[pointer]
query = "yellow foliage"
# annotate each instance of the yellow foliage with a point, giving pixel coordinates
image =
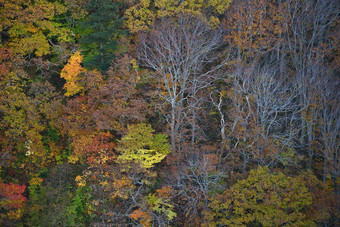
(81, 181)
(155, 203)
(31, 24)
(72, 74)
(161, 205)
(270, 199)
(142, 15)
(13, 214)
(142, 147)
(35, 181)
(73, 159)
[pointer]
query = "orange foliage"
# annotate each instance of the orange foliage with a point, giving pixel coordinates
(121, 188)
(255, 25)
(143, 217)
(102, 142)
(165, 192)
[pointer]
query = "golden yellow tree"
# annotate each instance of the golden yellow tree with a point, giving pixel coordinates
(72, 74)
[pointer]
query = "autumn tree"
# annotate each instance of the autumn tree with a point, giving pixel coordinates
(254, 30)
(156, 209)
(324, 205)
(29, 27)
(12, 202)
(144, 14)
(121, 101)
(125, 174)
(24, 121)
(263, 198)
(141, 147)
(29, 141)
(105, 104)
(140, 151)
(72, 74)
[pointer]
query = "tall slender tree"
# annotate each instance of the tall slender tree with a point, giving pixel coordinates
(102, 29)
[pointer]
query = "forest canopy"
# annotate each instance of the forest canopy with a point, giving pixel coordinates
(169, 113)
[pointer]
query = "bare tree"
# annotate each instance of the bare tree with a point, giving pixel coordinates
(329, 126)
(219, 103)
(180, 51)
(307, 27)
(330, 131)
(193, 181)
(264, 115)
